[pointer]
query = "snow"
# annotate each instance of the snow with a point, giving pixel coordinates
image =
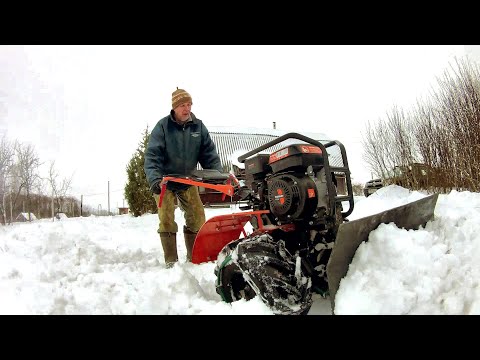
(114, 265)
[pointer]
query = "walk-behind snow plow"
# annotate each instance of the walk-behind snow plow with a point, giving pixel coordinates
(293, 200)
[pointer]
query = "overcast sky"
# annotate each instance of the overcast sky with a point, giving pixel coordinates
(86, 106)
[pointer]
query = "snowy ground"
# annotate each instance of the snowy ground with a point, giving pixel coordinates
(114, 265)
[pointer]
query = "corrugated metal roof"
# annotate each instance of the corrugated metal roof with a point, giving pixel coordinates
(233, 141)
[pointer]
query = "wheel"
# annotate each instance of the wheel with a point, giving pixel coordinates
(261, 266)
(231, 285)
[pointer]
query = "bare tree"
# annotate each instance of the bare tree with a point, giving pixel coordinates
(15, 186)
(402, 148)
(7, 152)
(389, 143)
(448, 129)
(52, 180)
(375, 144)
(438, 144)
(28, 164)
(38, 199)
(59, 189)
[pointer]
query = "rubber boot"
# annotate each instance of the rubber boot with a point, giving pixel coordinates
(169, 244)
(189, 241)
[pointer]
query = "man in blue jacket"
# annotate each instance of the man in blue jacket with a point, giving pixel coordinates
(177, 143)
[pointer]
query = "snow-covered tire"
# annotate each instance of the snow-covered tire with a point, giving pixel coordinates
(262, 266)
(231, 285)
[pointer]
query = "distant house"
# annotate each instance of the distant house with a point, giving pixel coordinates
(22, 217)
(61, 216)
(122, 210)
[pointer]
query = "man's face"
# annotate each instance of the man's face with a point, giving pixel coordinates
(182, 112)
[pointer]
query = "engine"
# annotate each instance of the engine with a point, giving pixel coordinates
(290, 183)
(298, 188)
(291, 197)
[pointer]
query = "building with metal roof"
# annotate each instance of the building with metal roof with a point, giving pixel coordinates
(232, 142)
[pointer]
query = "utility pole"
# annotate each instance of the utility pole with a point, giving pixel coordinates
(108, 197)
(81, 205)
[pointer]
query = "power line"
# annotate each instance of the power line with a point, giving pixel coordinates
(103, 193)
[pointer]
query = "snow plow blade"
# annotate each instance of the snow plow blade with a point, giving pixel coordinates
(351, 234)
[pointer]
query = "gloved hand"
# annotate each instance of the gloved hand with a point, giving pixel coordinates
(156, 189)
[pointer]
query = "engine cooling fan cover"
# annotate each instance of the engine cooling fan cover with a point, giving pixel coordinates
(283, 196)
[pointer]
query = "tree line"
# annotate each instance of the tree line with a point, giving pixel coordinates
(24, 190)
(436, 144)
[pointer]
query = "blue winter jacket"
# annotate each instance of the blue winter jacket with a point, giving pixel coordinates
(177, 149)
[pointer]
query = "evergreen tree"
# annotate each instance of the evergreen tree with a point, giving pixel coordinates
(137, 192)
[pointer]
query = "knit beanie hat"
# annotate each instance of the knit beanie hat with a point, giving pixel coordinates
(180, 97)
